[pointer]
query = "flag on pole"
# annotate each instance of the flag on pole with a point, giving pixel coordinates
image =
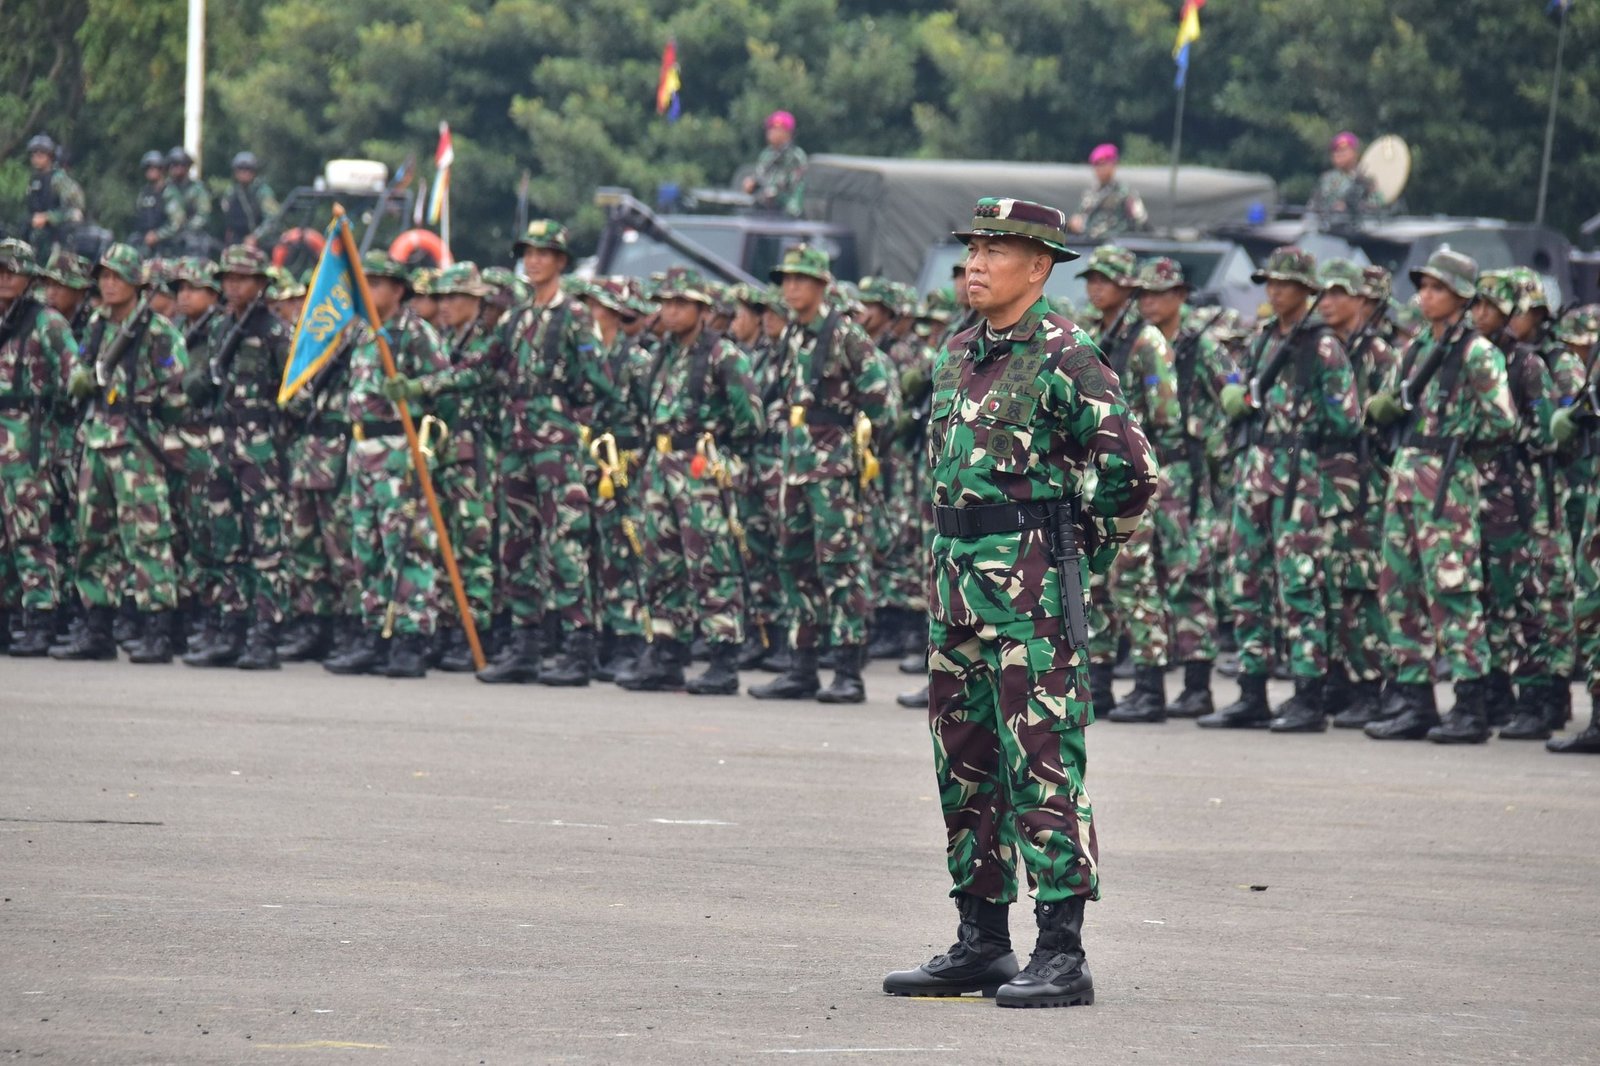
(1188, 33)
(439, 203)
(670, 82)
(333, 301)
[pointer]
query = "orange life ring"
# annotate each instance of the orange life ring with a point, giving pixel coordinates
(418, 247)
(295, 242)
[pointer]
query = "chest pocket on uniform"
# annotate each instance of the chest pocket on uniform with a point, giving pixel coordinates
(250, 360)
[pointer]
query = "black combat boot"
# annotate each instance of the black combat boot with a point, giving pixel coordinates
(916, 699)
(699, 650)
(916, 660)
(408, 656)
(519, 663)
(800, 682)
(846, 686)
(1249, 711)
(260, 647)
(1057, 974)
(1586, 742)
(64, 640)
(574, 667)
(721, 677)
(1304, 712)
(5, 630)
(155, 646)
(1195, 699)
(1364, 706)
(754, 649)
(128, 626)
(625, 652)
(1531, 720)
(345, 631)
(204, 627)
(659, 669)
(368, 652)
(1468, 721)
(779, 658)
(1500, 703)
(94, 641)
(1337, 692)
(226, 649)
(1100, 694)
(1415, 713)
(310, 641)
(888, 634)
(981, 959)
(457, 655)
(38, 632)
(1148, 702)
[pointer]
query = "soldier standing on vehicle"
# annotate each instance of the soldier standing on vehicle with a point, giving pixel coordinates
(1111, 207)
(188, 209)
(1345, 194)
(249, 209)
(152, 207)
(779, 181)
(54, 201)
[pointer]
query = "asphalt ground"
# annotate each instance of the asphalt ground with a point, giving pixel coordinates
(217, 867)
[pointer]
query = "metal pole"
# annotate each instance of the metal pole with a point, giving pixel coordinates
(194, 103)
(1177, 147)
(1550, 122)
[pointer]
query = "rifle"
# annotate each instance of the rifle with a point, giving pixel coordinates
(1413, 385)
(1183, 359)
(1262, 383)
(1066, 552)
(222, 357)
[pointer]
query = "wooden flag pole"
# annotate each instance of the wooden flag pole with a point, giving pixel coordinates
(419, 462)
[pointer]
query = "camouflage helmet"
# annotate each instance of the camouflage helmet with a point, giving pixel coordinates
(376, 264)
(1498, 289)
(1000, 216)
(803, 261)
(878, 290)
(42, 142)
(1452, 269)
(69, 269)
(461, 279)
(611, 293)
(158, 274)
(683, 283)
(1530, 290)
(940, 305)
(1114, 263)
(245, 261)
(121, 260)
(200, 273)
(543, 233)
(1580, 326)
(1289, 264)
(17, 257)
(1161, 275)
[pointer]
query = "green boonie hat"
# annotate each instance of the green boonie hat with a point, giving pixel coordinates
(722, 299)
(506, 284)
(639, 300)
(1161, 275)
(757, 296)
(682, 283)
(1580, 326)
(1452, 269)
(285, 286)
(422, 281)
(941, 304)
(1407, 315)
(460, 279)
(999, 216)
(1378, 280)
(804, 261)
(1342, 274)
(244, 260)
(1229, 325)
(908, 298)
(876, 290)
(1498, 289)
(1530, 290)
(611, 293)
(17, 257)
(384, 265)
(124, 262)
(1060, 305)
(1289, 264)
(1113, 262)
(200, 273)
(543, 233)
(66, 268)
(845, 295)
(161, 275)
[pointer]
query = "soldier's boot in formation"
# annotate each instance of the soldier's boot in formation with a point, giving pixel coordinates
(779, 657)
(846, 686)
(226, 648)
(155, 646)
(519, 663)
(1531, 721)
(1363, 706)
(1500, 703)
(981, 959)
(38, 632)
(408, 656)
(624, 654)
(456, 657)
(1306, 710)
(345, 632)
(63, 640)
(754, 648)
(1414, 713)
(574, 666)
(368, 651)
(1100, 694)
(917, 698)
(127, 629)
(1057, 974)
(799, 682)
(310, 640)
(1195, 699)
(659, 669)
(1468, 720)
(1585, 742)
(1249, 711)
(260, 647)
(5, 630)
(1148, 701)
(1337, 692)
(721, 676)
(201, 627)
(916, 659)
(888, 634)
(94, 641)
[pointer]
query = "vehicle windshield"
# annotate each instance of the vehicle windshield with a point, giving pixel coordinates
(639, 256)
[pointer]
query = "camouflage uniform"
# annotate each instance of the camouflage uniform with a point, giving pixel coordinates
(1111, 209)
(188, 211)
(1344, 196)
(1578, 331)
(190, 473)
(54, 194)
(780, 178)
(73, 272)
(758, 503)
(1586, 618)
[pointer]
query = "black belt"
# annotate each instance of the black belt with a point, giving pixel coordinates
(247, 416)
(19, 402)
(328, 428)
(1428, 442)
(380, 429)
(980, 520)
(677, 442)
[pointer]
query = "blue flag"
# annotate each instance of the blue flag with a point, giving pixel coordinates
(333, 301)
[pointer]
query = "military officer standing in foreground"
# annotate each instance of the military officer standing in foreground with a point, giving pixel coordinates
(1022, 408)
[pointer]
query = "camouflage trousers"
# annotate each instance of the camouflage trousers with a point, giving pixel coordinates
(322, 571)
(1358, 636)
(546, 526)
(1185, 539)
(1278, 567)
(190, 472)
(822, 561)
(29, 573)
(247, 495)
(617, 565)
(691, 560)
(1527, 602)
(1586, 601)
(64, 464)
(125, 530)
(465, 490)
(1007, 715)
(758, 508)
(900, 538)
(392, 539)
(1129, 596)
(1429, 588)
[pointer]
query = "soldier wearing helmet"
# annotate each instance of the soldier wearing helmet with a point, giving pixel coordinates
(249, 208)
(188, 208)
(55, 202)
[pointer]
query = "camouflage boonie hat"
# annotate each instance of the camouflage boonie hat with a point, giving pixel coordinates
(876, 290)
(1000, 216)
(201, 273)
(423, 279)
(157, 274)
(17, 257)
(908, 298)
(757, 296)
(124, 262)
(1530, 290)
(1580, 326)
(611, 293)
(66, 268)
(1453, 270)
(244, 260)
(506, 283)
(1498, 289)
(384, 265)
(1114, 263)
(846, 296)
(1161, 275)
(639, 300)
(681, 283)
(940, 305)
(460, 279)
(1406, 316)
(1229, 325)
(805, 261)
(1342, 274)
(1289, 264)
(543, 233)
(722, 299)
(1378, 280)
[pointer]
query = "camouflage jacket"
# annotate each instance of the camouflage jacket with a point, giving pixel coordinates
(416, 351)
(625, 411)
(1201, 368)
(1112, 208)
(703, 388)
(780, 178)
(1375, 366)
(247, 211)
(1517, 492)
(321, 410)
(853, 379)
(36, 355)
(142, 391)
(1142, 360)
(67, 196)
(188, 209)
(1342, 196)
(254, 371)
(1025, 417)
(1469, 398)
